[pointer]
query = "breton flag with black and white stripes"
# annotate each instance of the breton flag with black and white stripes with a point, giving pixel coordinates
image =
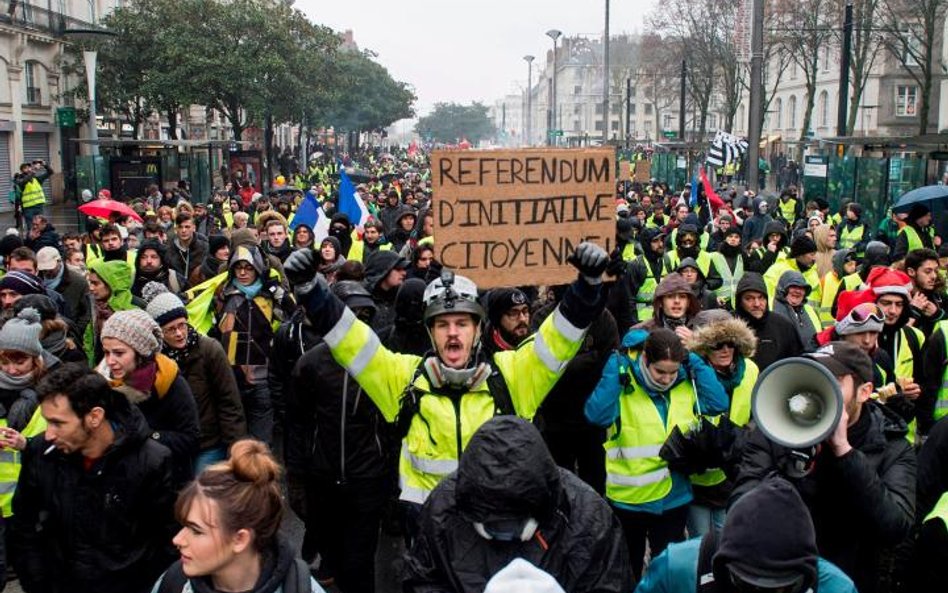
(725, 148)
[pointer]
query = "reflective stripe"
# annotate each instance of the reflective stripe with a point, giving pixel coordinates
(413, 494)
(633, 452)
(7, 487)
(545, 355)
(364, 357)
(569, 331)
(9, 456)
(430, 466)
(647, 303)
(642, 480)
(334, 336)
(941, 404)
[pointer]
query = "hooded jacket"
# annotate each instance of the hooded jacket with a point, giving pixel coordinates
(108, 529)
(755, 226)
(398, 236)
(408, 334)
(863, 503)
(796, 315)
(508, 473)
(777, 338)
(671, 284)
(175, 282)
(761, 259)
(622, 298)
(118, 276)
(376, 269)
(344, 236)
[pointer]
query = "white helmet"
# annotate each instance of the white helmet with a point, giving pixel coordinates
(451, 294)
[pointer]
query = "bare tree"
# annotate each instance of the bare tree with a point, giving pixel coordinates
(912, 36)
(658, 74)
(867, 45)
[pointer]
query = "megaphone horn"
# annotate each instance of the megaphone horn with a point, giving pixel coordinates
(797, 402)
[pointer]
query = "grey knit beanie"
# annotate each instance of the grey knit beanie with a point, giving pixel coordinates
(135, 328)
(22, 333)
(163, 305)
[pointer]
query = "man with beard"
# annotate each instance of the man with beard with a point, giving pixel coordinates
(802, 258)
(113, 245)
(14, 286)
(927, 304)
(917, 234)
(508, 317)
(150, 267)
(776, 337)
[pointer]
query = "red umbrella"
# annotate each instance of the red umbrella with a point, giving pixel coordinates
(105, 208)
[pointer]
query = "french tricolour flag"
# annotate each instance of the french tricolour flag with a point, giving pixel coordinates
(350, 202)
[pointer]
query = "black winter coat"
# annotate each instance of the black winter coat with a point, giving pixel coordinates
(291, 340)
(333, 430)
(863, 503)
(103, 530)
(506, 466)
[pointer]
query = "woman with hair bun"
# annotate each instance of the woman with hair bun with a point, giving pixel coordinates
(230, 539)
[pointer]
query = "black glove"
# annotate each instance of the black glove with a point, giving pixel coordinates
(616, 267)
(591, 260)
(310, 287)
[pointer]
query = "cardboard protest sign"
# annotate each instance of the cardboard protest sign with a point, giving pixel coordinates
(643, 171)
(513, 217)
(625, 171)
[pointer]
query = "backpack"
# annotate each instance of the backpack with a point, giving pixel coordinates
(411, 399)
(296, 581)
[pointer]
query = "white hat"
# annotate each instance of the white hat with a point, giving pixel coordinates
(522, 577)
(48, 258)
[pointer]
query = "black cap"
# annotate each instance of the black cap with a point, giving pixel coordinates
(843, 358)
(802, 245)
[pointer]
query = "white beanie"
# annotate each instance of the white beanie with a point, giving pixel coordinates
(522, 577)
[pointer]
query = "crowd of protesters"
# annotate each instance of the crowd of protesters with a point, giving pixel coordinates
(165, 378)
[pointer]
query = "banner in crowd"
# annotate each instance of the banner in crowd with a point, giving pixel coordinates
(512, 217)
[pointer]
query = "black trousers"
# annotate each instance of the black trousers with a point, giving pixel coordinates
(658, 530)
(580, 451)
(342, 524)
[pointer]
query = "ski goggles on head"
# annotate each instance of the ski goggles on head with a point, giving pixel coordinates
(864, 312)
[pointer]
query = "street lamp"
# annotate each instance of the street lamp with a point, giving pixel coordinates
(89, 57)
(553, 34)
(529, 60)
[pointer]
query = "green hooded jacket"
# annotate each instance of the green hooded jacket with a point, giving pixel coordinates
(118, 276)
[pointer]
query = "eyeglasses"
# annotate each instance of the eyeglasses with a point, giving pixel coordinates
(863, 312)
(178, 328)
(721, 345)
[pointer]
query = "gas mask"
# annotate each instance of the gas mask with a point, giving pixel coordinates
(508, 530)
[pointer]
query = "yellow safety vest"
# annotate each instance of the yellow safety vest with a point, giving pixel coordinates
(645, 297)
(849, 237)
(11, 463)
(812, 277)
(914, 240)
(635, 474)
(831, 285)
(788, 209)
(739, 414)
(356, 252)
(671, 261)
(940, 511)
(702, 239)
(905, 365)
(729, 279)
(941, 401)
(32, 194)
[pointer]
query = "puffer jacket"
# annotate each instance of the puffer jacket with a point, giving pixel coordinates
(863, 503)
(107, 530)
(506, 471)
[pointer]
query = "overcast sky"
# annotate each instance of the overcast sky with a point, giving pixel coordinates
(453, 50)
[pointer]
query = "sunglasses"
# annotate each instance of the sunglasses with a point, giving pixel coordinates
(864, 312)
(721, 345)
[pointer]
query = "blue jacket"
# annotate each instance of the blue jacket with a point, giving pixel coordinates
(602, 407)
(676, 571)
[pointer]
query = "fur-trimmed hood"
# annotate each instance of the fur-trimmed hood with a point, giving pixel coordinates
(723, 330)
(265, 217)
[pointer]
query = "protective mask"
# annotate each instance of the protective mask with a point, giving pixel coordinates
(508, 530)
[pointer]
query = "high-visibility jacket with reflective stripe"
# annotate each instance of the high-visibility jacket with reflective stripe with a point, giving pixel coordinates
(703, 239)
(831, 285)
(443, 425)
(941, 402)
(671, 261)
(10, 462)
(739, 414)
(905, 366)
(33, 194)
(358, 248)
(849, 237)
(940, 511)
(729, 278)
(645, 297)
(635, 474)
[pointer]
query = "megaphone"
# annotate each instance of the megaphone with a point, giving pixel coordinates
(797, 402)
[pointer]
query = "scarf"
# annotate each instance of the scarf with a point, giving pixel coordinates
(179, 355)
(137, 385)
(251, 291)
(11, 383)
(500, 342)
(648, 383)
(672, 323)
(102, 312)
(53, 283)
(731, 378)
(55, 342)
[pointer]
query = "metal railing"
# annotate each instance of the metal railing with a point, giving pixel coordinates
(36, 18)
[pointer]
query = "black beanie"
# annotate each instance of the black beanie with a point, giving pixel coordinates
(768, 533)
(801, 245)
(8, 243)
(501, 300)
(215, 242)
